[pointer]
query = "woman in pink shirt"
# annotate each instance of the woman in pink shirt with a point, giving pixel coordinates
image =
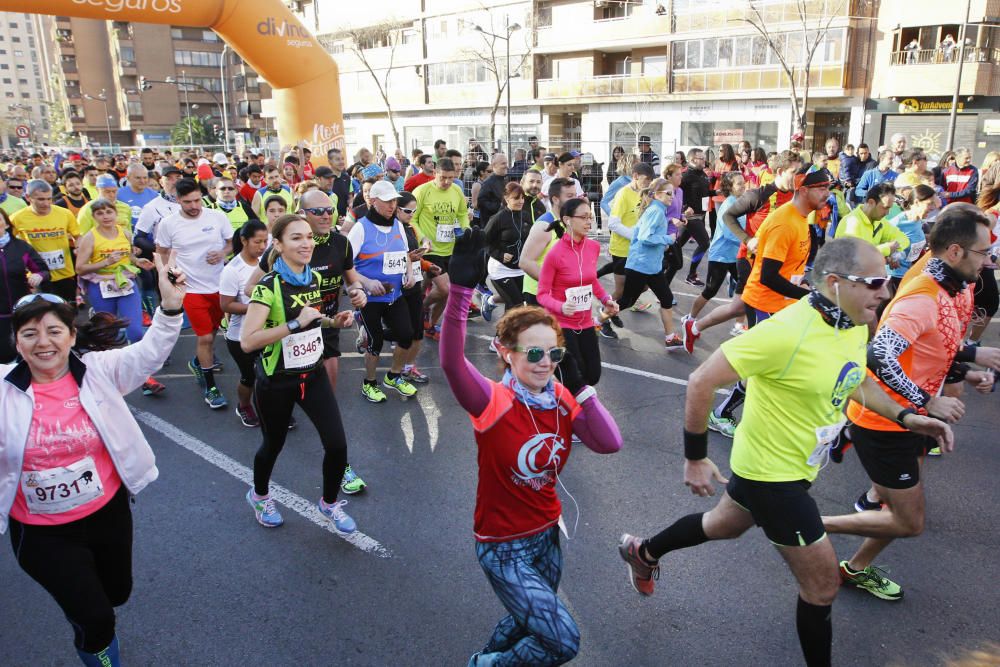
(567, 288)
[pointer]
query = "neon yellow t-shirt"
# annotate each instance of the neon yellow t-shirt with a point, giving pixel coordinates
(438, 212)
(800, 372)
(12, 205)
(625, 206)
(50, 236)
(85, 218)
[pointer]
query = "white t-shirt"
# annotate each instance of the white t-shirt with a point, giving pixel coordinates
(192, 239)
(546, 179)
(151, 214)
(232, 283)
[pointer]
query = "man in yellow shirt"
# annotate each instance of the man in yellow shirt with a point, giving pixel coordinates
(868, 222)
(11, 191)
(51, 231)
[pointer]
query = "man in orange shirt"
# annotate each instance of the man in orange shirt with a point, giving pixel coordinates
(775, 280)
(917, 348)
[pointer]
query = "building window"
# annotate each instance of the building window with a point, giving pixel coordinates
(15, 39)
(13, 24)
(209, 36)
(708, 134)
(253, 83)
(751, 51)
(9, 94)
(23, 82)
(75, 111)
(201, 82)
(134, 108)
(654, 65)
(197, 58)
(8, 81)
(18, 54)
(128, 55)
(4, 66)
(449, 74)
(3, 52)
(25, 96)
(177, 33)
(409, 36)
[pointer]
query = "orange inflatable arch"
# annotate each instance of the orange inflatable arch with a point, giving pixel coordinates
(265, 34)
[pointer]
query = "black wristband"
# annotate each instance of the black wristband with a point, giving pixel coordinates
(695, 445)
(902, 415)
(174, 312)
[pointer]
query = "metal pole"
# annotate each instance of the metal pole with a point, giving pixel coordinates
(107, 119)
(187, 111)
(225, 109)
(953, 116)
(507, 28)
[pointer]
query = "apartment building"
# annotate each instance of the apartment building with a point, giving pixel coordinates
(26, 79)
(185, 71)
(918, 60)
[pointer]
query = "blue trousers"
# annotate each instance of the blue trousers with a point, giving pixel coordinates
(524, 574)
(126, 307)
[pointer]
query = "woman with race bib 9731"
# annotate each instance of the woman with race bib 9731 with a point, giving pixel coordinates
(283, 322)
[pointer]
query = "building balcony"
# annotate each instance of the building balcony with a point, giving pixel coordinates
(586, 33)
(942, 57)
(934, 79)
(617, 85)
(127, 68)
(828, 78)
(696, 15)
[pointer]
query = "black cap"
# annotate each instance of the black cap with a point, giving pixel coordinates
(550, 157)
(324, 172)
(171, 170)
(566, 157)
(644, 139)
(811, 178)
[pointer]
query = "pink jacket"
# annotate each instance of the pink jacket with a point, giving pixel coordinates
(570, 264)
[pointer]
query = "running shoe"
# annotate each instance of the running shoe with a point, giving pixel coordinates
(495, 345)
(267, 514)
(640, 307)
(488, 308)
(483, 292)
(248, 416)
(399, 383)
(641, 574)
(351, 483)
(862, 504)
(726, 427)
(151, 387)
(335, 512)
(433, 333)
(473, 311)
(372, 392)
(414, 376)
(673, 343)
(216, 364)
(738, 329)
(934, 451)
(195, 369)
(871, 579)
(215, 399)
(147, 319)
(607, 332)
(690, 337)
(694, 281)
(617, 321)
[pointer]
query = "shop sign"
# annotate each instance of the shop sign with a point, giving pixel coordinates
(915, 105)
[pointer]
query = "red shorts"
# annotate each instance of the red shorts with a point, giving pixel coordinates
(203, 312)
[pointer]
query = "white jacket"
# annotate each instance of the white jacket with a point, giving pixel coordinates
(104, 379)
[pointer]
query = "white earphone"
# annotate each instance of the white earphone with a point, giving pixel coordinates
(508, 359)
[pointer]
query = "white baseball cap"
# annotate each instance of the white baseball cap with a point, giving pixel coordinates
(220, 158)
(383, 190)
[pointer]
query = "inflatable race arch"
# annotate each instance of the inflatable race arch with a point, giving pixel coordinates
(265, 34)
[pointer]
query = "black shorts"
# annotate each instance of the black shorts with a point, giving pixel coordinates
(743, 268)
(331, 343)
(244, 362)
(440, 261)
(784, 510)
(619, 265)
(891, 458)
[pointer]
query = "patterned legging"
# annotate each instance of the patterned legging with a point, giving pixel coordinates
(524, 574)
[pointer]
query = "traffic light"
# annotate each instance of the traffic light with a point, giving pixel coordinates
(143, 84)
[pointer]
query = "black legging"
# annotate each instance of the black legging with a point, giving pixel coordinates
(717, 272)
(694, 229)
(274, 398)
(85, 565)
(987, 298)
(636, 283)
(397, 318)
(510, 290)
(582, 363)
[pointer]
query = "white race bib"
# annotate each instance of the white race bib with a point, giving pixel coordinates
(111, 290)
(59, 490)
(445, 234)
(580, 297)
(394, 263)
(416, 272)
(704, 204)
(915, 250)
(54, 259)
(825, 436)
(303, 349)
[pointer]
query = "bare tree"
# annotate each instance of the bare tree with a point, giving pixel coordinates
(814, 27)
(388, 35)
(493, 56)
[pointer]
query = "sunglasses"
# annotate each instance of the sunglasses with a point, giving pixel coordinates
(15, 187)
(323, 210)
(226, 187)
(44, 296)
(408, 211)
(535, 354)
(872, 282)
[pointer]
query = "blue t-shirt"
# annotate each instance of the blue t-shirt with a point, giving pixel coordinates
(136, 200)
(914, 230)
(725, 245)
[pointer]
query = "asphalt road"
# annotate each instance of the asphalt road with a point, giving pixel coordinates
(214, 588)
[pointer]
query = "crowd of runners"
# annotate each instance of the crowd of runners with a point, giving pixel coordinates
(859, 285)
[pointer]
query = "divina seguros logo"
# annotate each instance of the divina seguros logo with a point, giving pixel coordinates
(296, 35)
(160, 6)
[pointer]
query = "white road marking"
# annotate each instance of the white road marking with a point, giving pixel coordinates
(432, 413)
(289, 499)
(406, 424)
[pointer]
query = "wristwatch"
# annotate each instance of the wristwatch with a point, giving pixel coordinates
(902, 415)
(171, 312)
(293, 326)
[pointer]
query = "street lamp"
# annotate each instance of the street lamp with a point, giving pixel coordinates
(953, 116)
(225, 108)
(509, 28)
(103, 97)
(184, 83)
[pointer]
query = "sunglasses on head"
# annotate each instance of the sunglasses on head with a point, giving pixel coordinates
(31, 298)
(535, 354)
(871, 282)
(322, 210)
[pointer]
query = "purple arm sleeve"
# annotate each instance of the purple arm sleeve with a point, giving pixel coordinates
(597, 428)
(471, 389)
